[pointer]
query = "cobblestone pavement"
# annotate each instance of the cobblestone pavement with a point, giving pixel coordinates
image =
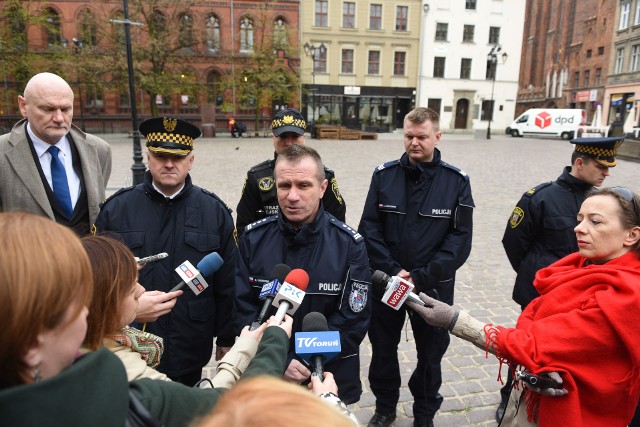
(501, 169)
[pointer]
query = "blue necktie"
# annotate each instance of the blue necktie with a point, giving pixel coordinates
(60, 183)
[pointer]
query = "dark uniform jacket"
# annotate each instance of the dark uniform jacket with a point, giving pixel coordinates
(188, 227)
(259, 198)
(419, 218)
(540, 230)
(97, 383)
(335, 258)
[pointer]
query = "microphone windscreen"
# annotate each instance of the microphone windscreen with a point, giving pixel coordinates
(210, 264)
(280, 272)
(298, 278)
(379, 280)
(314, 322)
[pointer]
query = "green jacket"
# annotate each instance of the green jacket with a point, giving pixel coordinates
(94, 391)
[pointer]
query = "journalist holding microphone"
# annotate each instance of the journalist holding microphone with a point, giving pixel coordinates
(44, 295)
(304, 236)
(581, 332)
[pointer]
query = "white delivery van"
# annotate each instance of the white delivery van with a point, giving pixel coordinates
(562, 122)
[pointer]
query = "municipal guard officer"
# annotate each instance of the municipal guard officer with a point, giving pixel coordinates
(259, 198)
(167, 213)
(417, 223)
(302, 235)
(540, 228)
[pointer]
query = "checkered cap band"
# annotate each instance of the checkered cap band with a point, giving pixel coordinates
(169, 137)
(596, 151)
(288, 121)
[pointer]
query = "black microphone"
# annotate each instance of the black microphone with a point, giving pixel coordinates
(316, 344)
(269, 291)
(392, 291)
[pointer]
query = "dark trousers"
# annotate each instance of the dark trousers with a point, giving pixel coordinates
(189, 379)
(385, 331)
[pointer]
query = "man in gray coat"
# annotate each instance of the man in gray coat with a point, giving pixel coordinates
(48, 166)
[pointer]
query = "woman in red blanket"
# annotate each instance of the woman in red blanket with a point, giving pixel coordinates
(582, 330)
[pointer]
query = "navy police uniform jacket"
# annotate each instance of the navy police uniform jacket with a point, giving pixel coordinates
(335, 257)
(259, 198)
(540, 230)
(187, 227)
(419, 218)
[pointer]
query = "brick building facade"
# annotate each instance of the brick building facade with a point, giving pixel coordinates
(219, 39)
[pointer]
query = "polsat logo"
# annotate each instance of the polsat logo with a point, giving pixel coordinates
(543, 120)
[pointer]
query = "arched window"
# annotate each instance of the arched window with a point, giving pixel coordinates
(246, 35)
(118, 28)
(212, 33)
(213, 97)
(159, 22)
(279, 34)
(185, 36)
(52, 32)
(87, 28)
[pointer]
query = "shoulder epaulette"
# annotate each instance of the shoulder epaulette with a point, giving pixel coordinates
(453, 168)
(537, 188)
(117, 193)
(387, 165)
(345, 228)
(215, 196)
(261, 166)
(260, 223)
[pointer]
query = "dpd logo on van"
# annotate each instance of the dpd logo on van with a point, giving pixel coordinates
(543, 120)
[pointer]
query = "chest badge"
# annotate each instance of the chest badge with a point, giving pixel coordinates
(266, 184)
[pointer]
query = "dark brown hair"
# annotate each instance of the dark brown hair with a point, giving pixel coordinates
(114, 274)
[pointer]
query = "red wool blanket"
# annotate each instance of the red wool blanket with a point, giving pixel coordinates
(586, 326)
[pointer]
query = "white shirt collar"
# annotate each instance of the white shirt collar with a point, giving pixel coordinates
(41, 147)
(168, 197)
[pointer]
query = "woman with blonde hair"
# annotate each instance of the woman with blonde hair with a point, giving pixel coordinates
(46, 285)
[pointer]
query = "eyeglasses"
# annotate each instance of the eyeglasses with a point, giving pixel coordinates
(627, 194)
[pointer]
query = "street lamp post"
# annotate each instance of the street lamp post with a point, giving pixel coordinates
(312, 50)
(138, 167)
(77, 45)
(492, 58)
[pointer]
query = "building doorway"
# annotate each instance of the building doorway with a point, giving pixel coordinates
(462, 113)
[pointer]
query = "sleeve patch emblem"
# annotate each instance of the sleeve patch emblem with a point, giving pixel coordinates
(516, 217)
(266, 184)
(358, 297)
(336, 190)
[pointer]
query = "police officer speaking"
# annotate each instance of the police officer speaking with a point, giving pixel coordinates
(417, 223)
(258, 198)
(302, 235)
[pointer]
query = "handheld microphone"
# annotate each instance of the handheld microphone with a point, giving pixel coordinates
(269, 291)
(193, 276)
(290, 294)
(392, 291)
(316, 344)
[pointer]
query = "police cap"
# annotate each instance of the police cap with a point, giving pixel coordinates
(288, 120)
(602, 150)
(166, 135)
